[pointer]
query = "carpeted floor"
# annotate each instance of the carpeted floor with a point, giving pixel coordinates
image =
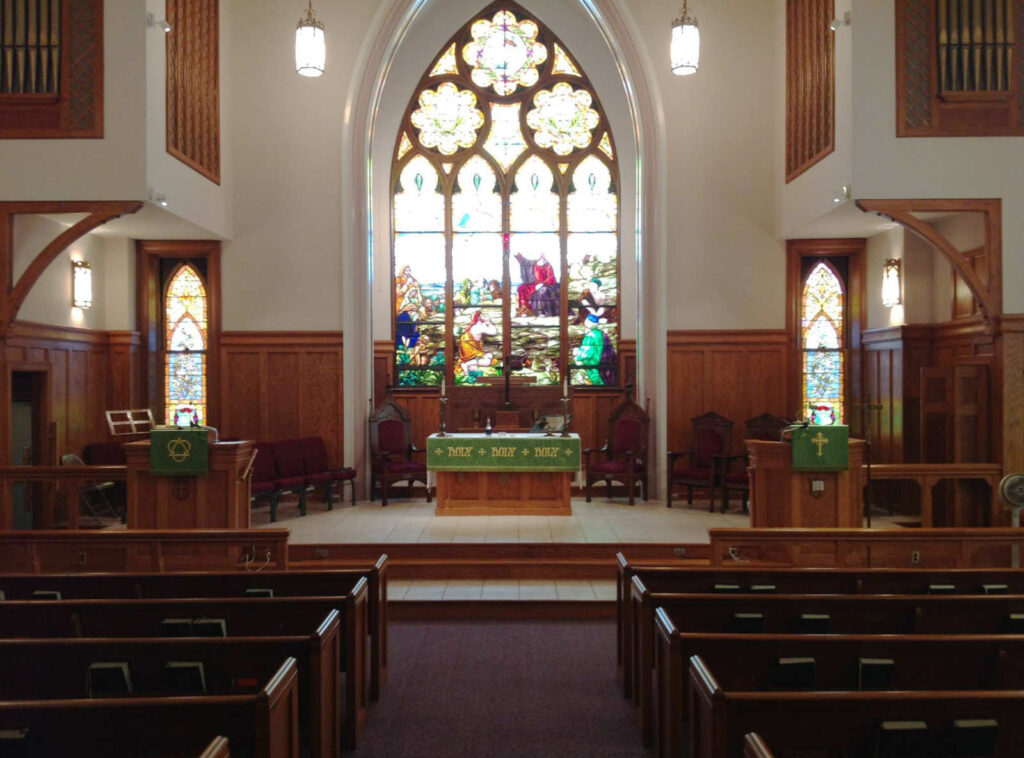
(492, 689)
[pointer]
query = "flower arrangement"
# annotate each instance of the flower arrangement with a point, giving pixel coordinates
(822, 415)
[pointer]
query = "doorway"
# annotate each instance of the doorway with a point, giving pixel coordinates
(28, 440)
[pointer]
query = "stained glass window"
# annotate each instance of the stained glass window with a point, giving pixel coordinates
(185, 340)
(822, 328)
(506, 246)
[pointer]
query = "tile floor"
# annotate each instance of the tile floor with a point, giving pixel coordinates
(408, 521)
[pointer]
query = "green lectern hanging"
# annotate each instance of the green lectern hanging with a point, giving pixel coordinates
(821, 448)
(178, 452)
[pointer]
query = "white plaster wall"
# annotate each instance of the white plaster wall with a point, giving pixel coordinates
(111, 168)
(725, 265)
(119, 283)
(889, 167)
(285, 260)
(881, 247)
(189, 194)
(49, 301)
(921, 280)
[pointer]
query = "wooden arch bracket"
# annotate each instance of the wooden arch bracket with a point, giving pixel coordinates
(13, 294)
(989, 294)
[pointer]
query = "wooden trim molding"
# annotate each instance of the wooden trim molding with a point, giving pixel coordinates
(13, 294)
(76, 110)
(810, 84)
(193, 85)
(988, 293)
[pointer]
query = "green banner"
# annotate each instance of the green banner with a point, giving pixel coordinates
(821, 448)
(178, 452)
(519, 452)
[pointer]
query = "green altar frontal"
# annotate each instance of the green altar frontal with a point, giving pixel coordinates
(821, 448)
(178, 452)
(520, 452)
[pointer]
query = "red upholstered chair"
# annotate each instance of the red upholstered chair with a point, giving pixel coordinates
(319, 472)
(291, 471)
(264, 473)
(699, 466)
(734, 477)
(625, 451)
(391, 450)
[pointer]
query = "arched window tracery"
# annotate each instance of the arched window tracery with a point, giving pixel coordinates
(186, 324)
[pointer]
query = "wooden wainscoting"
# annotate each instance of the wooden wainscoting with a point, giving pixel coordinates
(282, 385)
(88, 372)
(736, 373)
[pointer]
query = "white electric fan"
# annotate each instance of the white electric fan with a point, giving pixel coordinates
(1011, 492)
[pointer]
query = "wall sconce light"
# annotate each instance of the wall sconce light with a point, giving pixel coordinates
(685, 49)
(892, 289)
(310, 44)
(81, 284)
(837, 23)
(841, 195)
(160, 24)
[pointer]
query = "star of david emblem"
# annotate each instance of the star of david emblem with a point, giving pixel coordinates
(178, 450)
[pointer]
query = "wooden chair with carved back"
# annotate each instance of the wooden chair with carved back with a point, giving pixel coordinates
(625, 450)
(699, 466)
(391, 450)
(767, 427)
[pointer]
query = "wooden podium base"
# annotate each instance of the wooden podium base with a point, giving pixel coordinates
(496, 493)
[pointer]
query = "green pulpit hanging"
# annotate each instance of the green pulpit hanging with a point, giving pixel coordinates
(178, 452)
(821, 448)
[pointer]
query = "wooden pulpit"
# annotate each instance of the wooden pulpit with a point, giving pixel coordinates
(218, 499)
(782, 497)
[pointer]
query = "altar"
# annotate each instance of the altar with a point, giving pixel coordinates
(503, 474)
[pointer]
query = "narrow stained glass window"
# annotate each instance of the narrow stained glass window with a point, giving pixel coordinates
(185, 339)
(506, 243)
(823, 343)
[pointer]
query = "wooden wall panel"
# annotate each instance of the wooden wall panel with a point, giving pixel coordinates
(125, 362)
(810, 84)
(281, 385)
(81, 381)
(738, 374)
(193, 85)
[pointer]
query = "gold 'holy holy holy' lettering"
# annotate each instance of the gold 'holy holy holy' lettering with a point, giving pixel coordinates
(461, 451)
(503, 452)
(545, 452)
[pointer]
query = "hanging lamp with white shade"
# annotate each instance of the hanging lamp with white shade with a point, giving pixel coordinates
(310, 44)
(685, 50)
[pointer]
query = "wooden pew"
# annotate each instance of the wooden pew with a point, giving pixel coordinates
(249, 617)
(754, 747)
(218, 748)
(843, 722)
(226, 584)
(694, 579)
(261, 724)
(57, 669)
(848, 614)
(750, 662)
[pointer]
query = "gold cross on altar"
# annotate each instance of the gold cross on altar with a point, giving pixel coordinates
(821, 440)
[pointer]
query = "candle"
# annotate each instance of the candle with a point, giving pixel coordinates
(442, 385)
(565, 387)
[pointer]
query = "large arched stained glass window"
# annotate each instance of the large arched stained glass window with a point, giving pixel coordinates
(823, 341)
(185, 335)
(505, 215)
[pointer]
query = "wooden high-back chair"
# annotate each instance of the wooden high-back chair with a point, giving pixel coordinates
(699, 466)
(625, 451)
(391, 450)
(767, 427)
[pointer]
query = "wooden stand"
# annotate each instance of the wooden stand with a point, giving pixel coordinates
(497, 493)
(218, 500)
(781, 497)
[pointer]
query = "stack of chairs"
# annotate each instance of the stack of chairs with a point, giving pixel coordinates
(272, 664)
(876, 662)
(295, 467)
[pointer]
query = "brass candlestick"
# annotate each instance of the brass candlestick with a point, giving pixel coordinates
(444, 408)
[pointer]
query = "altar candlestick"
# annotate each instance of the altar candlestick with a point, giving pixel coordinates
(442, 385)
(565, 387)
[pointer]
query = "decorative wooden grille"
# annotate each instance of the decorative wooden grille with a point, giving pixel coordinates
(193, 85)
(959, 71)
(810, 84)
(30, 38)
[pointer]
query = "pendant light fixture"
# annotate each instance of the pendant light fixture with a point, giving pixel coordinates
(310, 46)
(685, 51)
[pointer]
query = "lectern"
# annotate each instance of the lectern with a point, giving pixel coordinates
(218, 499)
(783, 497)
